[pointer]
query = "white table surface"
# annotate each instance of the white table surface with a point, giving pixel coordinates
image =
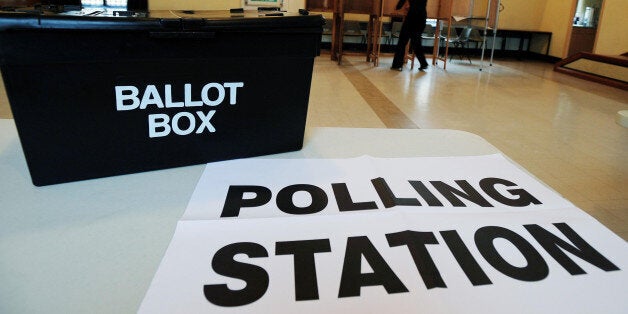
(93, 246)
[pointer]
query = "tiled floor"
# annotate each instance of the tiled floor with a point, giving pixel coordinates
(560, 128)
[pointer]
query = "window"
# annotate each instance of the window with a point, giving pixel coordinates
(105, 3)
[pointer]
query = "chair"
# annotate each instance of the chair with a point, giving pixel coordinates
(364, 27)
(428, 32)
(477, 38)
(352, 29)
(443, 33)
(395, 30)
(460, 43)
(442, 38)
(387, 33)
(327, 27)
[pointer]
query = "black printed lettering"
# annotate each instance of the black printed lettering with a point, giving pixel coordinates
(388, 197)
(344, 201)
(305, 282)
(235, 199)
(285, 202)
(467, 192)
(465, 259)
(353, 279)
(256, 278)
(416, 242)
(524, 198)
(536, 268)
(429, 198)
(556, 246)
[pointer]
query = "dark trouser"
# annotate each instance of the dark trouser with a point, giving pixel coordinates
(410, 30)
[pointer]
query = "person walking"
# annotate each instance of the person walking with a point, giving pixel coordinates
(412, 28)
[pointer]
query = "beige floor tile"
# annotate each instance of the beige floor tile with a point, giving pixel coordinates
(623, 235)
(612, 214)
(559, 128)
(334, 102)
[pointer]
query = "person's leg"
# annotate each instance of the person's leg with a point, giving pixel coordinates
(400, 50)
(418, 47)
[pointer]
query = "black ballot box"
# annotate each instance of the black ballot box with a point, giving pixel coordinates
(96, 95)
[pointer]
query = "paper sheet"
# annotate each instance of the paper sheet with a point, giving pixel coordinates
(384, 235)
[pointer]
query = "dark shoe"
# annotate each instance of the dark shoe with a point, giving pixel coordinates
(423, 67)
(396, 68)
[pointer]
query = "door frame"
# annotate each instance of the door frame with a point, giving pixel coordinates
(574, 6)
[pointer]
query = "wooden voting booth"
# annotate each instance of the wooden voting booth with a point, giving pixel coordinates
(449, 14)
(339, 8)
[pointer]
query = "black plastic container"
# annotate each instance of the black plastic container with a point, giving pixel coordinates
(91, 95)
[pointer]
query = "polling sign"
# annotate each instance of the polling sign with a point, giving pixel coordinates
(393, 235)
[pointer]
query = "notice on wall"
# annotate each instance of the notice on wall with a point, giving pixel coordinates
(385, 235)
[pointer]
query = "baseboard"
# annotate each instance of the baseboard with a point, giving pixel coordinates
(607, 70)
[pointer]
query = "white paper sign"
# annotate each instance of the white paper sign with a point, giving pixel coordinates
(436, 184)
(367, 235)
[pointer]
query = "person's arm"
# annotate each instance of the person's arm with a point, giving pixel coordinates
(400, 4)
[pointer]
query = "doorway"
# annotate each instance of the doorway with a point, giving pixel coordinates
(584, 26)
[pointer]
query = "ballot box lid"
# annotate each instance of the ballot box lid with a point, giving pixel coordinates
(166, 20)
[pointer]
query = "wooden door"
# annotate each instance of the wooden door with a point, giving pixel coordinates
(582, 40)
